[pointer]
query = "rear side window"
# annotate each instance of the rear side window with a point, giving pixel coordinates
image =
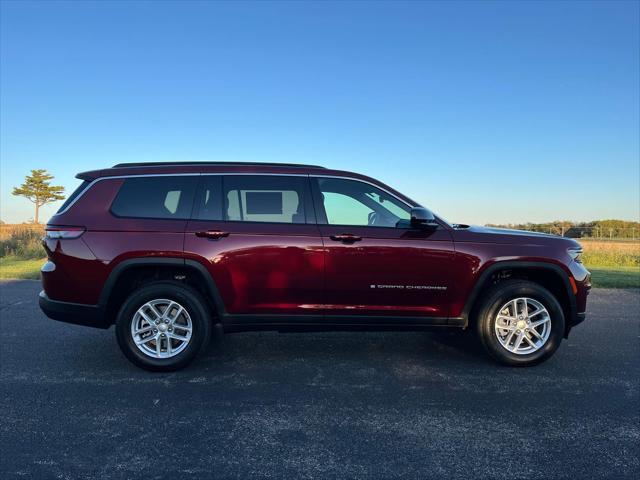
(266, 199)
(167, 197)
(208, 204)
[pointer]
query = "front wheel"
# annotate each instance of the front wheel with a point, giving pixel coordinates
(520, 323)
(163, 326)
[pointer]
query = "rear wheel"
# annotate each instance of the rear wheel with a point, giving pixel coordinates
(520, 323)
(163, 326)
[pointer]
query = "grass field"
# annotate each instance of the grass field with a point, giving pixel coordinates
(613, 264)
(11, 267)
(598, 253)
(8, 229)
(615, 277)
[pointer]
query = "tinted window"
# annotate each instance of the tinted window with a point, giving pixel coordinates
(155, 197)
(208, 205)
(350, 202)
(265, 199)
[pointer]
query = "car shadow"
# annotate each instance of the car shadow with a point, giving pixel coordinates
(252, 352)
(346, 346)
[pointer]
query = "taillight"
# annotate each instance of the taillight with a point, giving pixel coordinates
(63, 232)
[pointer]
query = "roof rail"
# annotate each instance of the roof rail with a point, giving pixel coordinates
(223, 164)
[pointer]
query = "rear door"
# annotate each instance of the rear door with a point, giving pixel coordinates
(258, 237)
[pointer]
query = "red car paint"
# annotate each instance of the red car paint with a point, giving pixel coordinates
(296, 273)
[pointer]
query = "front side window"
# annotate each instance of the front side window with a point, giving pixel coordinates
(164, 197)
(351, 202)
(265, 198)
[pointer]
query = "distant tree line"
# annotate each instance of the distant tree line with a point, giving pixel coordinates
(595, 229)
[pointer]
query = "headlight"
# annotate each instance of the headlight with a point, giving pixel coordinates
(575, 253)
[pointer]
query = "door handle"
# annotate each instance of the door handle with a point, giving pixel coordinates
(345, 237)
(212, 234)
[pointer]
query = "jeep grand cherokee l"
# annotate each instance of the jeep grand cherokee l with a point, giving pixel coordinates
(168, 251)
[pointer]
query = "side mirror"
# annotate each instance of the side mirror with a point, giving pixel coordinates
(423, 219)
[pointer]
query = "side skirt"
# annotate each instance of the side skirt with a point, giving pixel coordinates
(329, 323)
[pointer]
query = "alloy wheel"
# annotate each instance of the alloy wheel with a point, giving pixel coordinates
(523, 325)
(161, 328)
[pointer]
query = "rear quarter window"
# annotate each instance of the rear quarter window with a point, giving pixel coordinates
(71, 198)
(167, 197)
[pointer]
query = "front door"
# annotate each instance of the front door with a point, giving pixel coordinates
(376, 264)
(258, 238)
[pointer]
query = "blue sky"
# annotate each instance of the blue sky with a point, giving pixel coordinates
(482, 111)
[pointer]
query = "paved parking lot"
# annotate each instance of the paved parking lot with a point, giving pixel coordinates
(330, 405)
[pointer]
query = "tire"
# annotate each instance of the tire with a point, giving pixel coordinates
(173, 353)
(497, 341)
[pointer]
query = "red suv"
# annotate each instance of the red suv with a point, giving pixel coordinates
(168, 251)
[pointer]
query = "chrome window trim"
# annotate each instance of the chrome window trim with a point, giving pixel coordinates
(99, 179)
(142, 175)
(368, 183)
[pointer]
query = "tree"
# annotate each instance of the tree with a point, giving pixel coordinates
(38, 189)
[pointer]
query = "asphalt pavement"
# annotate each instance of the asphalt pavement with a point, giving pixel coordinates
(319, 405)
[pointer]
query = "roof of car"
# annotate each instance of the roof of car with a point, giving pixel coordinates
(148, 168)
(177, 168)
(223, 164)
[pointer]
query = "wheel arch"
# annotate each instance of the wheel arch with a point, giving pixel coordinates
(550, 276)
(131, 273)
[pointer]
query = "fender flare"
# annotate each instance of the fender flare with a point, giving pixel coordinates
(509, 264)
(125, 265)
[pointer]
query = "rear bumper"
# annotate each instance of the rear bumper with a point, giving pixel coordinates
(76, 313)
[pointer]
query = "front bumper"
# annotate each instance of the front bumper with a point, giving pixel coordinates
(578, 319)
(76, 313)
